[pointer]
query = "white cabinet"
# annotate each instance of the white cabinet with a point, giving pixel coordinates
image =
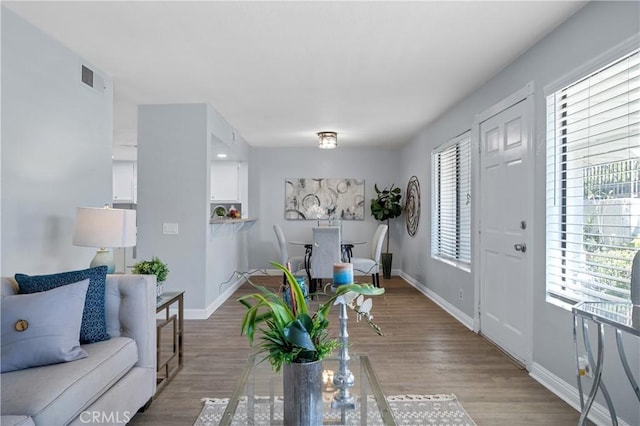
(125, 186)
(225, 185)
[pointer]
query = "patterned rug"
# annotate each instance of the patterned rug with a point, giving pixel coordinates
(408, 410)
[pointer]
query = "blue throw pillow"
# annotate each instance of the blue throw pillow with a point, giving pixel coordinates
(42, 328)
(94, 322)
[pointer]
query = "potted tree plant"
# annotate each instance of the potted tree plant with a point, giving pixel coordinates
(153, 267)
(384, 207)
(296, 340)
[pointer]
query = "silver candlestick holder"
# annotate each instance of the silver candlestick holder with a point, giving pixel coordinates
(343, 379)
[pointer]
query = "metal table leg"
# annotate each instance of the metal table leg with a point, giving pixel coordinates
(625, 364)
(597, 374)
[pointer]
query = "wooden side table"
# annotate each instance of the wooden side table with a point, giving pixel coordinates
(168, 365)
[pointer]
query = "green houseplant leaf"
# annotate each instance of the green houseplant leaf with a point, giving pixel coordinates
(152, 267)
(292, 334)
(386, 206)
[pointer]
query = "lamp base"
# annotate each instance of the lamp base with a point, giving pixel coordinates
(104, 257)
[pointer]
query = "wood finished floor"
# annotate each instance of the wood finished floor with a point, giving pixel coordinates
(424, 351)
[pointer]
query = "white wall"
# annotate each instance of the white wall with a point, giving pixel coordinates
(56, 149)
(267, 173)
(591, 31)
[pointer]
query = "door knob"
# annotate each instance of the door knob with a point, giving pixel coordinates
(520, 247)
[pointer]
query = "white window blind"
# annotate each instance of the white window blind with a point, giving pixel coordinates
(451, 201)
(593, 184)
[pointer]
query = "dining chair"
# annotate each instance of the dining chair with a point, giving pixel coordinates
(371, 265)
(296, 262)
(326, 251)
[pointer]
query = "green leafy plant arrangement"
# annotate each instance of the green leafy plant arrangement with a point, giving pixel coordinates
(152, 267)
(386, 205)
(291, 333)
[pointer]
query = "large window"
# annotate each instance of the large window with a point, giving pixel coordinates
(451, 202)
(593, 184)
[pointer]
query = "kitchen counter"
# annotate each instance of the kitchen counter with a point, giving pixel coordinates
(234, 225)
(229, 220)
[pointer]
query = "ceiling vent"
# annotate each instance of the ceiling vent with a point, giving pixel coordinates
(92, 79)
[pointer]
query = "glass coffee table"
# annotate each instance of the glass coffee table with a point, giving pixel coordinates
(257, 398)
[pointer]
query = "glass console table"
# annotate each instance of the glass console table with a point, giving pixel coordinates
(257, 398)
(623, 318)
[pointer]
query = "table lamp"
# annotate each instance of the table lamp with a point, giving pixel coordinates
(104, 228)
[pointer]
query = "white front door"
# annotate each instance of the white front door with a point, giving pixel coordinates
(505, 194)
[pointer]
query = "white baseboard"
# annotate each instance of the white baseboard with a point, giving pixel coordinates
(598, 414)
(206, 313)
(463, 318)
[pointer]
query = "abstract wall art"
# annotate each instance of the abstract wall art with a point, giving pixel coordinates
(324, 198)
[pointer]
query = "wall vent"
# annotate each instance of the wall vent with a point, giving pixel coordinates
(91, 79)
(87, 76)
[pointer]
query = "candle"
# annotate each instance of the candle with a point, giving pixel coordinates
(342, 273)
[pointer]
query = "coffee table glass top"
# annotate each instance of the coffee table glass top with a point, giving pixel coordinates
(257, 398)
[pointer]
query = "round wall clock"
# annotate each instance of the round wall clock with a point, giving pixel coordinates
(412, 206)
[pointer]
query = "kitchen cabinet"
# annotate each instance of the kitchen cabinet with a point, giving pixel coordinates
(225, 181)
(125, 186)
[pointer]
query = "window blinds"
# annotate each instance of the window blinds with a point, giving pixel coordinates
(593, 183)
(451, 201)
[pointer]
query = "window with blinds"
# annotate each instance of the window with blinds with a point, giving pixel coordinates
(593, 184)
(451, 202)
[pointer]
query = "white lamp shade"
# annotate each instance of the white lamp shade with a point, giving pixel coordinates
(104, 227)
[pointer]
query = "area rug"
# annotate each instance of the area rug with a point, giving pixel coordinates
(408, 410)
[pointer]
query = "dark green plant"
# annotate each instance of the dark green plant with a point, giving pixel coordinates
(386, 206)
(292, 334)
(152, 267)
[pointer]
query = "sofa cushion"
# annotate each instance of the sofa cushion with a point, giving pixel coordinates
(94, 326)
(56, 394)
(42, 328)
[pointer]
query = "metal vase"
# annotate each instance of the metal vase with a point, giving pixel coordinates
(387, 259)
(302, 394)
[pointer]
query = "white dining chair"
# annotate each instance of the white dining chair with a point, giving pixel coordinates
(371, 265)
(326, 251)
(296, 262)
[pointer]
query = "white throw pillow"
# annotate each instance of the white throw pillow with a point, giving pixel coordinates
(42, 328)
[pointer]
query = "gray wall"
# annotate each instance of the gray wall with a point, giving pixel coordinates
(174, 161)
(56, 149)
(590, 32)
(172, 188)
(267, 173)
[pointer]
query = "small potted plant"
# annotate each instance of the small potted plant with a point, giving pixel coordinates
(153, 267)
(386, 206)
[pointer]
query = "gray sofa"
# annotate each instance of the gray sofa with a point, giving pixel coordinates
(111, 384)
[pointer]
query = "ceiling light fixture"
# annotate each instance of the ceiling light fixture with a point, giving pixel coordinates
(327, 140)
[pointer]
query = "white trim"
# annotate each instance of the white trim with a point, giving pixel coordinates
(506, 103)
(475, 223)
(209, 310)
(602, 60)
(527, 95)
(463, 318)
(599, 414)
